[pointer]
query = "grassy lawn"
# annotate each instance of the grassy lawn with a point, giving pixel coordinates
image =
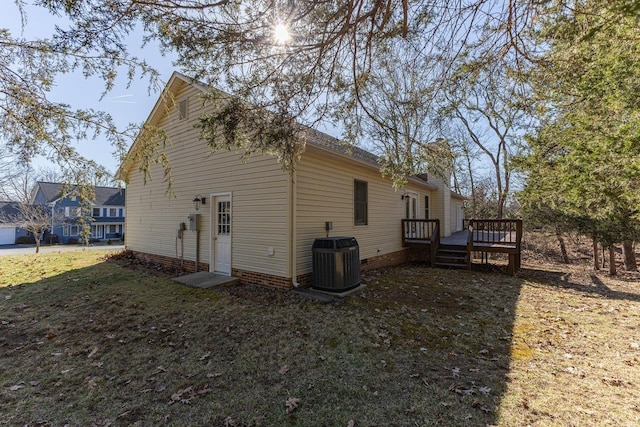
(85, 341)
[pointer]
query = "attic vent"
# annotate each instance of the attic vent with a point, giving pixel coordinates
(183, 106)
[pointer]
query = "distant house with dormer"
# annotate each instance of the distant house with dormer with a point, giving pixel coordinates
(107, 211)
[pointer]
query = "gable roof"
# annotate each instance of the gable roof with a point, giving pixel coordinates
(104, 196)
(50, 191)
(314, 138)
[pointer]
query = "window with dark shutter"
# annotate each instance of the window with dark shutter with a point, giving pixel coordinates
(426, 207)
(360, 202)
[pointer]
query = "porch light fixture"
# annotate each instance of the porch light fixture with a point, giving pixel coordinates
(198, 200)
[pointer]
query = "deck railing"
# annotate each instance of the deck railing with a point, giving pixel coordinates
(497, 235)
(420, 230)
(495, 231)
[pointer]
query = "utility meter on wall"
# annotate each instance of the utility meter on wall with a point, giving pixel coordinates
(194, 222)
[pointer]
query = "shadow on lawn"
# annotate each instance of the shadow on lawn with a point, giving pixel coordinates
(455, 328)
(591, 285)
(417, 346)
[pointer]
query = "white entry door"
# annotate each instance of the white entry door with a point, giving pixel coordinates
(221, 234)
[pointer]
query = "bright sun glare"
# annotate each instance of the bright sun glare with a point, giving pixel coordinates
(281, 34)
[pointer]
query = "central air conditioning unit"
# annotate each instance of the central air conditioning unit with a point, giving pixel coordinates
(336, 263)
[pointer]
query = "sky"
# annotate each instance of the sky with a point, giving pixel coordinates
(125, 104)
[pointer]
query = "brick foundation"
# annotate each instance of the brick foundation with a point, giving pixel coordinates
(187, 265)
(276, 282)
(305, 280)
(262, 279)
(386, 260)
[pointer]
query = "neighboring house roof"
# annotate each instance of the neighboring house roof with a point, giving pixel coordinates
(50, 191)
(109, 196)
(8, 210)
(104, 196)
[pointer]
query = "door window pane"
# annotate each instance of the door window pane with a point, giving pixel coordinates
(224, 217)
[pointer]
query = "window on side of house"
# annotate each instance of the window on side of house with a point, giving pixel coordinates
(426, 207)
(113, 228)
(65, 230)
(360, 200)
(73, 230)
(96, 212)
(113, 212)
(67, 211)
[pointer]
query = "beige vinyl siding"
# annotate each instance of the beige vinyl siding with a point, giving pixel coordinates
(441, 207)
(260, 195)
(455, 211)
(325, 193)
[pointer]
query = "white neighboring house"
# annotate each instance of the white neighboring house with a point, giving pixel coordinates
(257, 222)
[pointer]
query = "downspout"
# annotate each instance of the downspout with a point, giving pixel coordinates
(293, 239)
(197, 244)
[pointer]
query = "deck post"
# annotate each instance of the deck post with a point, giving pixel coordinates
(469, 244)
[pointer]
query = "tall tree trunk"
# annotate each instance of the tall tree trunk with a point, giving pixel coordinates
(563, 246)
(612, 260)
(596, 261)
(630, 263)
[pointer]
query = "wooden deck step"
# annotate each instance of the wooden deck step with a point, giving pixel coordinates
(452, 251)
(450, 264)
(451, 256)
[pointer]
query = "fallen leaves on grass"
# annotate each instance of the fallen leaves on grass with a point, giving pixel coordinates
(185, 395)
(291, 404)
(283, 370)
(616, 382)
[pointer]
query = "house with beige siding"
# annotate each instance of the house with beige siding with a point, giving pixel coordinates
(258, 223)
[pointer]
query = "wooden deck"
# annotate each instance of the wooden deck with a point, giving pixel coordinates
(456, 250)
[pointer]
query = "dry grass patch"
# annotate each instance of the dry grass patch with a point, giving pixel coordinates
(99, 343)
(575, 350)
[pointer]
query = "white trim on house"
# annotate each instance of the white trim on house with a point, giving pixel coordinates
(213, 232)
